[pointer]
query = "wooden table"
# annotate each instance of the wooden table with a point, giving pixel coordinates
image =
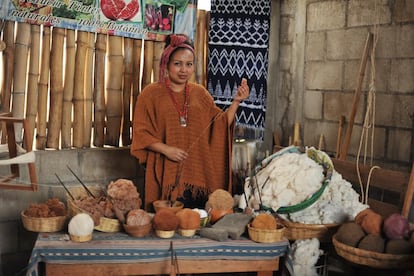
(120, 254)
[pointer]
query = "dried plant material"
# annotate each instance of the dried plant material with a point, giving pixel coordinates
(220, 199)
(138, 217)
(372, 242)
(189, 219)
(370, 221)
(350, 234)
(264, 221)
(165, 220)
(122, 189)
(53, 207)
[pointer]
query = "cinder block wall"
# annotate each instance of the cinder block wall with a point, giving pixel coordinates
(321, 46)
(92, 166)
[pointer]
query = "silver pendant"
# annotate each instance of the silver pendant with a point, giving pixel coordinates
(183, 121)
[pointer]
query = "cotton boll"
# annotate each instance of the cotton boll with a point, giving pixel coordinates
(305, 254)
(81, 225)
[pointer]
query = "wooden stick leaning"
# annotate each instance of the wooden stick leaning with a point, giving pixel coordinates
(368, 45)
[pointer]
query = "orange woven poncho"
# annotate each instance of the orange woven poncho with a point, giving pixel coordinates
(207, 138)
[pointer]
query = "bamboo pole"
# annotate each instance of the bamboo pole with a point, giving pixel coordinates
(20, 75)
(78, 92)
(56, 88)
(89, 92)
(357, 94)
(127, 91)
(33, 87)
(158, 48)
(200, 47)
(43, 90)
(99, 91)
(114, 90)
(68, 90)
(8, 64)
(148, 62)
(137, 71)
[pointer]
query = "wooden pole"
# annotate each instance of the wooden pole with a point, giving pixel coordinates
(87, 131)
(357, 94)
(79, 86)
(32, 84)
(200, 47)
(56, 88)
(158, 49)
(8, 64)
(20, 75)
(339, 136)
(137, 71)
(148, 62)
(114, 90)
(66, 132)
(43, 91)
(99, 91)
(127, 91)
(408, 199)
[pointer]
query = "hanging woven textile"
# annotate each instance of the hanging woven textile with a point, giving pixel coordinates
(238, 48)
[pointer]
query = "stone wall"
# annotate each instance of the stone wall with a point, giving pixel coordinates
(321, 47)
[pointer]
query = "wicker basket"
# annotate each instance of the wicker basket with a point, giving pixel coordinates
(164, 234)
(86, 238)
(105, 224)
(51, 224)
(373, 259)
(187, 232)
(300, 231)
(138, 230)
(266, 235)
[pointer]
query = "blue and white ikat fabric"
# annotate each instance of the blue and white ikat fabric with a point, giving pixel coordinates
(238, 48)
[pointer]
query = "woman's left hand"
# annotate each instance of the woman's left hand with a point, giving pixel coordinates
(243, 91)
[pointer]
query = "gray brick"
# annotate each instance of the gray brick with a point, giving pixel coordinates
(394, 110)
(340, 104)
(404, 11)
(405, 40)
(379, 142)
(382, 72)
(313, 104)
(313, 130)
(326, 15)
(346, 44)
(401, 79)
(323, 75)
(399, 145)
(315, 46)
(363, 13)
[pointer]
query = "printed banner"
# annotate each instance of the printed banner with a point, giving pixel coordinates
(147, 19)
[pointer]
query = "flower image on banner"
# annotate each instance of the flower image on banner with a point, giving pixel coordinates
(146, 19)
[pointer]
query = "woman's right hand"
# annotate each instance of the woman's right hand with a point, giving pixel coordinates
(175, 154)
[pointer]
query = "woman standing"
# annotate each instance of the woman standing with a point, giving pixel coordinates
(179, 133)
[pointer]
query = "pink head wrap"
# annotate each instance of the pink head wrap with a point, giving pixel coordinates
(176, 41)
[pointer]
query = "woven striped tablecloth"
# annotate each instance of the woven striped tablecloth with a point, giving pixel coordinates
(121, 248)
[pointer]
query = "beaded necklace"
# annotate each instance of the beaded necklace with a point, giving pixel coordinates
(182, 113)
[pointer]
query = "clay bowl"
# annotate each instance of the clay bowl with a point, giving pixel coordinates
(174, 206)
(216, 214)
